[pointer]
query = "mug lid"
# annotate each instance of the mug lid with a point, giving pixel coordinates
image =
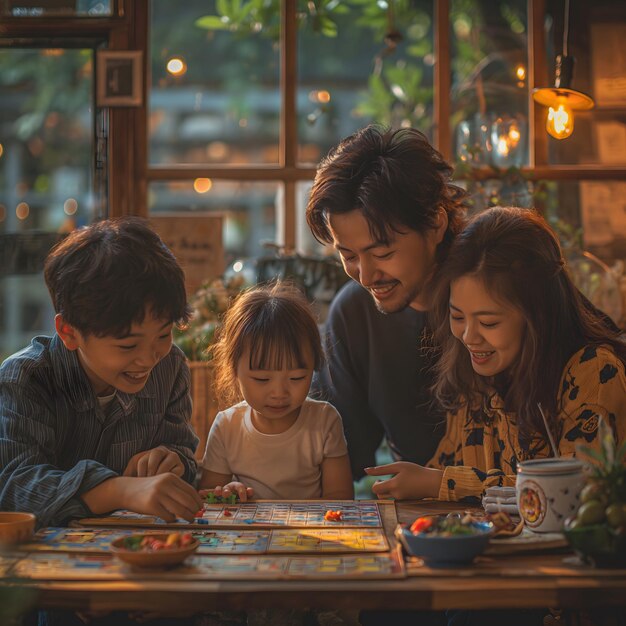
(550, 466)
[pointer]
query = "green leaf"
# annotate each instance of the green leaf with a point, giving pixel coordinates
(420, 49)
(608, 442)
(223, 7)
(328, 27)
(212, 22)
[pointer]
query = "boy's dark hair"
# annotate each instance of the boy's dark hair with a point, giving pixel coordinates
(395, 177)
(276, 322)
(518, 258)
(103, 277)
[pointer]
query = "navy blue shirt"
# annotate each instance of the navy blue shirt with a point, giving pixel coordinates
(378, 378)
(57, 442)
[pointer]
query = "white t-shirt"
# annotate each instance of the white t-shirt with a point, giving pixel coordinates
(286, 466)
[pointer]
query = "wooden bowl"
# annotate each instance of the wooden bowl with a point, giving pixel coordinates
(16, 527)
(152, 559)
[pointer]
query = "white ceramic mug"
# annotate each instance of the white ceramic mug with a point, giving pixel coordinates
(548, 492)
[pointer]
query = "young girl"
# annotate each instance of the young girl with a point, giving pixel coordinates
(516, 337)
(276, 443)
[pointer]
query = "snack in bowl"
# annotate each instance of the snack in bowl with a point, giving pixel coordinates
(16, 527)
(445, 540)
(504, 525)
(153, 550)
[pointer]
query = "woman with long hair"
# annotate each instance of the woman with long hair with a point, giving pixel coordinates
(515, 340)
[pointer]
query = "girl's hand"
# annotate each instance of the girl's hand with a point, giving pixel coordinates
(234, 487)
(410, 482)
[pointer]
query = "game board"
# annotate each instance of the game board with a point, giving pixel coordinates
(222, 541)
(261, 514)
(328, 540)
(269, 540)
(6, 564)
(88, 567)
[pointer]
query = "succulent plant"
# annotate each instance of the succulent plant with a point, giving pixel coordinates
(603, 498)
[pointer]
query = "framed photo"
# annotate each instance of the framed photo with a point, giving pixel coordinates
(119, 78)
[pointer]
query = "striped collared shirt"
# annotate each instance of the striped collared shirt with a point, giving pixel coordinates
(57, 442)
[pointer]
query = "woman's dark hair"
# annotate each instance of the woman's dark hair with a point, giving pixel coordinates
(104, 277)
(394, 177)
(518, 258)
(276, 322)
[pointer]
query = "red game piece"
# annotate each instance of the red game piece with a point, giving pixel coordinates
(333, 516)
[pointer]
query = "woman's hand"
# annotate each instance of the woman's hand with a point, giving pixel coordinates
(410, 481)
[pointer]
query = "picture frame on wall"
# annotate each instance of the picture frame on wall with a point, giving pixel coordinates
(118, 78)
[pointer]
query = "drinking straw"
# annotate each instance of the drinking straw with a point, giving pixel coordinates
(555, 450)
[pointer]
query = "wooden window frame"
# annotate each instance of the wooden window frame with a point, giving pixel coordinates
(129, 170)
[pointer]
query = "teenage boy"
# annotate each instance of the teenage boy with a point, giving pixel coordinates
(96, 418)
(384, 200)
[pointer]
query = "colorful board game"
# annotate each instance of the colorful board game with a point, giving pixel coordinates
(261, 514)
(88, 567)
(222, 541)
(268, 540)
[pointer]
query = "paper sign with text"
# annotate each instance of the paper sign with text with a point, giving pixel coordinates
(196, 241)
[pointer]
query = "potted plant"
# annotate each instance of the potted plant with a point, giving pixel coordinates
(208, 305)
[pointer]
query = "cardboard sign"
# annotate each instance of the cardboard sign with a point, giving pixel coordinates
(196, 241)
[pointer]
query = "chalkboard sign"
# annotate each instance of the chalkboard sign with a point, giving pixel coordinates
(196, 241)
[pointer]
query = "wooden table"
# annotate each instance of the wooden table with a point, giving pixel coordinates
(496, 582)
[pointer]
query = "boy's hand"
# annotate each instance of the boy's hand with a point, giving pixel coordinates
(234, 487)
(154, 462)
(411, 481)
(165, 495)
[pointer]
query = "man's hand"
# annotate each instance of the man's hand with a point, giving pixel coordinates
(154, 462)
(410, 482)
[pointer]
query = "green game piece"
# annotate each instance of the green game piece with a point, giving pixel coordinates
(211, 498)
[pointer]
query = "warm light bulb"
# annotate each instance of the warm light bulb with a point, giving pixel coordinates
(560, 123)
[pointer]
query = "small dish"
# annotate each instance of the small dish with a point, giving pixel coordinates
(16, 527)
(151, 559)
(447, 551)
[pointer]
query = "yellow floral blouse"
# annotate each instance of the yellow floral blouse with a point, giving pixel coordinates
(481, 447)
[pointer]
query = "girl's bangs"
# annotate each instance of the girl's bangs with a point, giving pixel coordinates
(276, 351)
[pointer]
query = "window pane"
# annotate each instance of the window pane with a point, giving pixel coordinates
(597, 31)
(361, 62)
(214, 96)
(46, 178)
(590, 219)
(39, 8)
(249, 210)
(489, 96)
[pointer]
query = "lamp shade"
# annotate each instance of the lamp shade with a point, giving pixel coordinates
(553, 96)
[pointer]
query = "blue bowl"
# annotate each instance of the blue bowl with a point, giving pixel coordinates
(437, 551)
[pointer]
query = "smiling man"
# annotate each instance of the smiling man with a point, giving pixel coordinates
(384, 200)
